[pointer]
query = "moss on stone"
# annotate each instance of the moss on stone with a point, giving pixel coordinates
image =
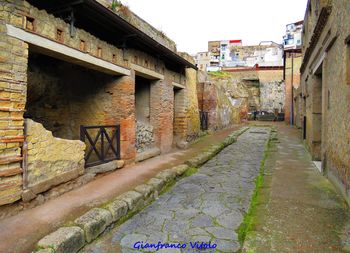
(250, 217)
(189, 172)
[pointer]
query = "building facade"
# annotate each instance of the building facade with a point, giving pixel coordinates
(232, 54)
(203, 60)
(292, 63)
(74, 95)
(325, 88)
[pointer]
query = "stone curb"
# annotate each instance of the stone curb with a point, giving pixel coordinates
(202, 158)
(96, 221)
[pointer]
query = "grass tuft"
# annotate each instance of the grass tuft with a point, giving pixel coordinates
(189, 172)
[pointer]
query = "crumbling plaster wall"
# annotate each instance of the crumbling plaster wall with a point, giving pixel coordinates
(63, 96)
(51, 161)
(214, 97)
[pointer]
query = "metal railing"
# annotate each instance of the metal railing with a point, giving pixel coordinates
(102, 144)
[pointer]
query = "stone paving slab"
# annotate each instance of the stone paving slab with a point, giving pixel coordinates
(206, 207)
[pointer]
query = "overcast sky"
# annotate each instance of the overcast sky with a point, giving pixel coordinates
(192, 23)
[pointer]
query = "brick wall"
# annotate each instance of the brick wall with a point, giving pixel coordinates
(13, 77)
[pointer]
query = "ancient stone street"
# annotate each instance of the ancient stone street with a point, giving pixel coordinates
(207, 206)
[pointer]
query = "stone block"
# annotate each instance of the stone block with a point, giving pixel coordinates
(215, 149)
(118, 209)
(199, 159)
(166, 175)
(107, 167)
(145, 189)
(63, 240)
(28, 195)
(182, 144)
(147, 154)
(133, 199)
(156, 183)
(181, 169)
(94, 222)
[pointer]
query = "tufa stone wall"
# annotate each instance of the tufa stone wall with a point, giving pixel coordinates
(215, 97)
(192, 120)
(263, 89)
(51, 161)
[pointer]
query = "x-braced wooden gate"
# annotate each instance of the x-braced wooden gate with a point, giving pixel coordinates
(103, 144)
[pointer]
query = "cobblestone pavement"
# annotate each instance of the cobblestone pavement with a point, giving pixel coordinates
(207, 206)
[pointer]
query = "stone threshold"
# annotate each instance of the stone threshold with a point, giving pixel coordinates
(147, 154)
(92, 224)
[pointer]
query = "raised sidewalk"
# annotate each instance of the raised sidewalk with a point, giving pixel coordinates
(21, 232)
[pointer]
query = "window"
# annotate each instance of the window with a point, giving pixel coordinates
(82, 46)
(59, 35)
(29, 23)
(114, 58)
(146, 63)
(136, 59)
(99, 52)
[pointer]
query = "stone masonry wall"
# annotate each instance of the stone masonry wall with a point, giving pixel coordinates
(272, 96)
(63, 96)
(327, 92)
(264, 89)
(51, 161)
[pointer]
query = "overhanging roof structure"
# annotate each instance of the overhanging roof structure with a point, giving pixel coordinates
(96, 19)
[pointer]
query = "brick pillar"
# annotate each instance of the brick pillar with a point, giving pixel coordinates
(122, 112)
(13, 84)
(180, 122)
(155, 110)
(162, 113)
(167, 116)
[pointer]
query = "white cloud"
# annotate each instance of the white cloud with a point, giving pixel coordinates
(192, 23)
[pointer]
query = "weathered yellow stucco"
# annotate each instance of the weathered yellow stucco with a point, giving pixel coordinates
(51, 160)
